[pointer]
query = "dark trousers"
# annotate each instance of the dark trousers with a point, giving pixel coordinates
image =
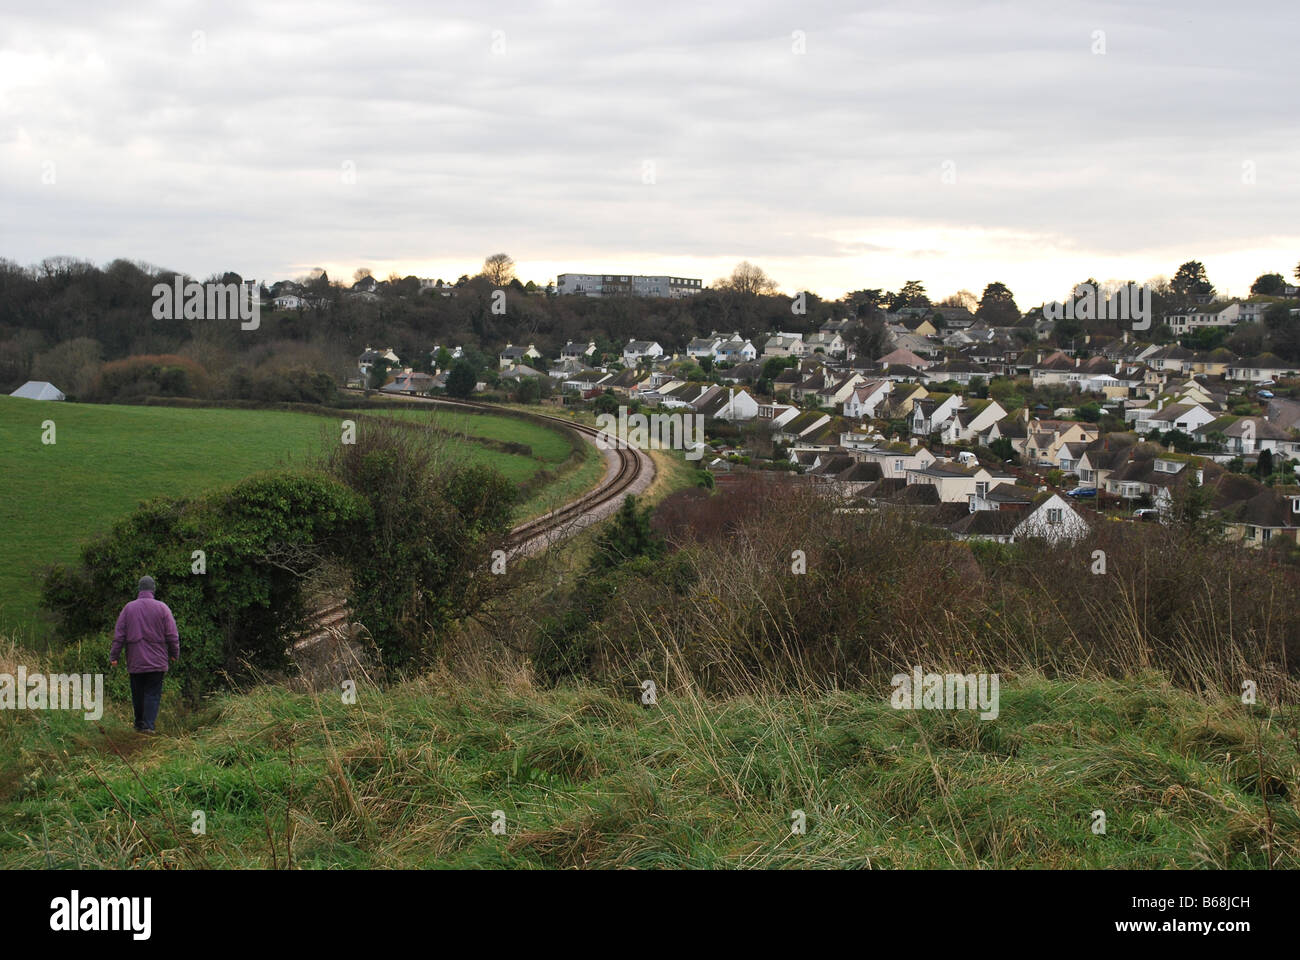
(146, 697)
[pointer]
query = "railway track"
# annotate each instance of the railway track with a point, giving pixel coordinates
(628, 470)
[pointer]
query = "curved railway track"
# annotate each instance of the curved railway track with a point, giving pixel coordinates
(627, 468)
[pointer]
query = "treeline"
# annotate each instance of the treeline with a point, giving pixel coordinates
(68, 321)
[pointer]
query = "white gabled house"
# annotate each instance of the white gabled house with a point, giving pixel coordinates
(866, 398)
(1053, 520)
(637, 350)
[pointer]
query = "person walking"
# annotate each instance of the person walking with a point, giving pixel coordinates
(147, 629)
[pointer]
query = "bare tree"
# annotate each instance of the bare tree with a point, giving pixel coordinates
(750, 279)
(499, 269)
(361, 274)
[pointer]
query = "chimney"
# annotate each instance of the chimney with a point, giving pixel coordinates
(1160, 404)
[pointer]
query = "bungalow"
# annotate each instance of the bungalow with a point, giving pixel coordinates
(1273, 512)
(1266, 366)
(410, 382)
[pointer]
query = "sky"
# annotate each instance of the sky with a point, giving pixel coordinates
(837, 145)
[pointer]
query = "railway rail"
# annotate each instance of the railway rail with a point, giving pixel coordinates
(629, 470)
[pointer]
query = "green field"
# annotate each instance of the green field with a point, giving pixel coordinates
(107, 459)
(410, 777)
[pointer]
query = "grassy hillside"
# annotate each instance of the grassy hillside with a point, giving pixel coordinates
(410, 777)
(106, 459)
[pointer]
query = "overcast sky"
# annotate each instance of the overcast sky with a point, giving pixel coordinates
(838, 145)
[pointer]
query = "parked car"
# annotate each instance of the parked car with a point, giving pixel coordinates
(1146, 513)
(1082, 492)
(1266, 394)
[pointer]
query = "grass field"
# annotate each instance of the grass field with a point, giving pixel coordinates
(411, 777)
(106, 459)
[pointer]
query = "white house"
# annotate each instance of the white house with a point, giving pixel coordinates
(866, 398)
(1053, 520)
(637, 350)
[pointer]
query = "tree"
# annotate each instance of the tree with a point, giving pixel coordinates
(1192, 508)
(361, 274)
(499, 269)
(962, 298)
(870, 338)
(1264, 467)
(626, 537)
(748, 279)
(997, 306)
(378, 374)
(461, 380)
(911, 295)
(1190, 281)
(1268, 285)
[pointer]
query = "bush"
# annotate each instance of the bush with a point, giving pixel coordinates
(260, 539)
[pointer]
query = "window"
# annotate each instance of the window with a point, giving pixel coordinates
(981, 488)
(898, 467)
(1054, 515)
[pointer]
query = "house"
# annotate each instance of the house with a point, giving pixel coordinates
(520, 371)
(785, 345)
(410, 382)
(726, 403)
(512, 355)
(930, 415)
(897, 459)
(578, 351)
(961, 371)
(1100, 459)
(289, 301)
(905, 357)
(866, 398)
(1186, 417)
(369, 357)
(1271, 513)
(38, 390)
(776, 414)
(702, 347)
(955, 483)
(831, 344)
(1046, 439)
(637, 350)
(1266, 366)
(797, 427)
(735, 350)
(1054, 520)
(969, 422)
(1247, 436)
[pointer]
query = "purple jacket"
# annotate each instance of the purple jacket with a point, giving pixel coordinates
(148, 629)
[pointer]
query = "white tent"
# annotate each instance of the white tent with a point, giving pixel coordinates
(38, 390)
